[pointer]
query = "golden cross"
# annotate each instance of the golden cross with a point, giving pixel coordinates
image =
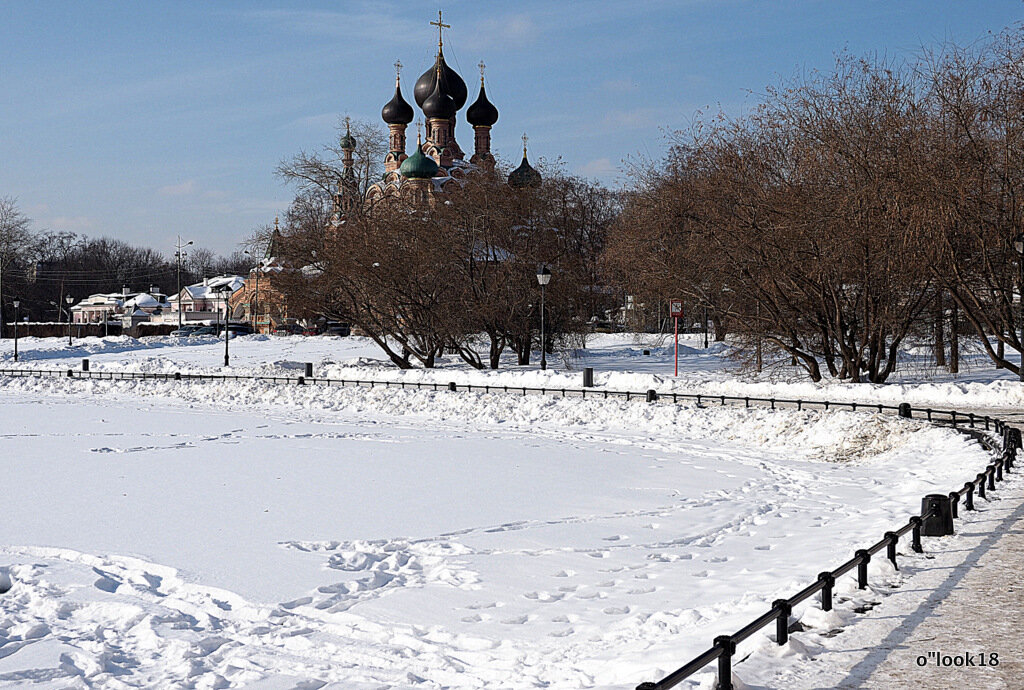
(482, 67)
(441, 26)
(419, 123)
(348, 121)
(275, 223)
(398, 69)
(524, 144)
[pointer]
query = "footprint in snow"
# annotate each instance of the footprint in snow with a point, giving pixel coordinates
(518, 620)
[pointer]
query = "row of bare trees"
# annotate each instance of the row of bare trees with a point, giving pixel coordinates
(40, 268)
(846, 213)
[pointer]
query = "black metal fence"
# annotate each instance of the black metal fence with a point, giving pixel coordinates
(935, 519)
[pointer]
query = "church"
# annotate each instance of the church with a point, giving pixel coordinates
(437, 161)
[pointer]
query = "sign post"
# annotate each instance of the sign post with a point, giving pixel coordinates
(675, 309)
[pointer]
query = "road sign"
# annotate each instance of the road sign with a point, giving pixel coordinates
(675, 308)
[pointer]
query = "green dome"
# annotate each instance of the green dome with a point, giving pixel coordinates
(418, 166)
(524, 175)
(348, 142)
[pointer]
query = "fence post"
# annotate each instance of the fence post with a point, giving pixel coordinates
(969, 496)
(85, 364)
(936, 516)
(782, 622)
(301, 381)
(728, 647)
(915, 541)
(991, 478)
(999, 469)
(890, 548)
(1015, 438)
(862, 568)
(979, 482)
(652, 395)
(954, 501)
(904, 411)
(177, 376)
(828, 582)
(71, 374)
(451, 386)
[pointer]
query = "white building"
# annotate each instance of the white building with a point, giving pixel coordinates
(203, 301)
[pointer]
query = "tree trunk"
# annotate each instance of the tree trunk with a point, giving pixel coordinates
(938, 331)
(954, 340)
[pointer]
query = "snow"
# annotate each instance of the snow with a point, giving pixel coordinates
(247, 534)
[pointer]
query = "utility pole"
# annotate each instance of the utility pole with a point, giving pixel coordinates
(177, 257)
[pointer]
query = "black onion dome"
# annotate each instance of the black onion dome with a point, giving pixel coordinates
(397, 111)
(451, 84)
(439, 105)
(524, 175)
(482, 113)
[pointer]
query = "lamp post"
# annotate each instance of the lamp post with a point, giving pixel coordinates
(543, 278)
(16, 304)
(1018, 244)
(225, 291)
(177, 257)
(69, 299)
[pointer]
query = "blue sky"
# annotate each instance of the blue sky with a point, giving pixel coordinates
(142, 120)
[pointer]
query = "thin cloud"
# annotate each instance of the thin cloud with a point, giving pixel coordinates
(180, 189)
(72, 223)
(599, 167)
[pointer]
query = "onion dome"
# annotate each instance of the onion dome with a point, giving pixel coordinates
(482, 113)
(439, 105)
(451, 84)
(348, 142)
(418, 166)
(397, 111)
(524, 175)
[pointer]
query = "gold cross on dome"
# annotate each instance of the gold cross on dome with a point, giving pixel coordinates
(441, 26)
(482, 67)
(398, 69)
(524, 143)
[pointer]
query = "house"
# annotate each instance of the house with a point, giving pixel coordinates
(204, 301)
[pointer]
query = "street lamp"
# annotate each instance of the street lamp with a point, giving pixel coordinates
(225, 291)
(177, 256)
(543, 278)
(1018, 244)
(16, 304)
(69, 299)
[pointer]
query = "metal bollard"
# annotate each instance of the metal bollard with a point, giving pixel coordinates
(954, 501)
(309, 370)
(85, 364)
(999, 470)
(890, 548)
(862, 568)
(940, 522)
(1015, 438)
(728, 647)
(177, 376)
(969, 496)
(652, 395)
(991, 478)
(782, 622)
(826, 591)
(915, 539)
(588, 377)
(647, 352)
(301, 381)
(71, 374)
(904, 411)
(979, 482)
(451, 386)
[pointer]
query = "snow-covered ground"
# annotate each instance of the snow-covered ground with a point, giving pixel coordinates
(242, 534)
